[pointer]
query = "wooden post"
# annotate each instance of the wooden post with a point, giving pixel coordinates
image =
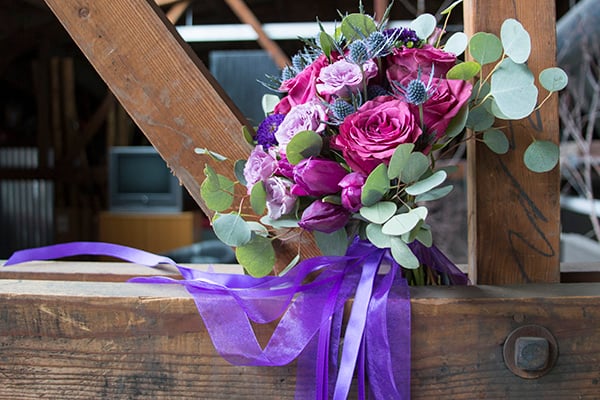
(514, 214)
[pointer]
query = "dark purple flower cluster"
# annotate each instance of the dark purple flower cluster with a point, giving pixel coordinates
(265, 134)
(404, 37)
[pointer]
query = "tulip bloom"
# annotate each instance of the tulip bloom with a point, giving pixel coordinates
(317, 177)
(324, 217)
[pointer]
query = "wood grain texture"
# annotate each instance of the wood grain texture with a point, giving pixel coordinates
(82, 340)
(165, 88)
(514, 214)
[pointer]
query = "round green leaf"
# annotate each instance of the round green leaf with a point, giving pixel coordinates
(399, 159)
(541, 156)
(425, 185)
(456, 44)
(513, 89)
(332, 244)
(379, 212)
(303, 145)
(425, 236)
(257, 228)
(258, 198)
(458, 122)
(496, 141)
(257, 256)
(553, 79)
(479, 119)
(216, 190)
(434, 194)
(485, 48)
(403, 254)
(326, 42)
(465, 71)
(516, 40)
(232, 230)
(268, 102)
(417, 165)
(284, 222)
(377, 237)
(376, 186)
(357, 26)
(238, 171)
(424, 25)
(403, 223)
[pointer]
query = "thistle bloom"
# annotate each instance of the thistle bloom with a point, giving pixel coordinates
(317, 177)
(324, 217)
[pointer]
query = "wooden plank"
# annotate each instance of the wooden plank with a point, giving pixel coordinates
(514, 214)
(165, 88)
(116, 340)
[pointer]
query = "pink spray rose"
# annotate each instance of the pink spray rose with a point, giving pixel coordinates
(369, 137)
(309, 116)
(343, 78)
(260, 165)
(352, 185)
(324, 217)
(445, 102)
(279, 199)
(405, 63)
(317, 177)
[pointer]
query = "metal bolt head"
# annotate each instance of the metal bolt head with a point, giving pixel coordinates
(532, 353)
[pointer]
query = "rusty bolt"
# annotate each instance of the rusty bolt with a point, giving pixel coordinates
(532, 353)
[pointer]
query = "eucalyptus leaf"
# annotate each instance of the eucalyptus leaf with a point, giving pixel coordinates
(424, 25)
(216, 190)
(399, 159)
(496, 112)
(417, 165)
(377, 237)
(513, 89)
(248, 136)
(257, 228)
(434, 194)
(291, 265)
(485, 48)
(456, 44)
(379, 212)
(238, 171)
(232, 230)
(425, 185)
(303, 145)
(284, 222)
(403, 223)
(215, 155)
(496, 141)
(515, 40)
(376, 186)
(332, 244)
(541, 156)
(553, 79)
(403, 254)
(449, 9)
(464, 71)
(479, 119)
(257, 256)
(357, 26)
(458, 122)
(425, 236)
(268, 102)
(258, 198)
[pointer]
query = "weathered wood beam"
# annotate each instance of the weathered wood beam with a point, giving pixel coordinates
(514, 214)
(82, 340)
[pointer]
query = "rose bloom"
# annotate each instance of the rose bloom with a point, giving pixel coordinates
(309, 116)
(369, 137)
(260, 165)
(301, 88)
(445, 102)
(343, 78)
(405, 63)
(279, 199)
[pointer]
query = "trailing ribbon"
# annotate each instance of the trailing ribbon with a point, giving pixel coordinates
(310, 314)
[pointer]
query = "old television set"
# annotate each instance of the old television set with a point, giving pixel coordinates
(139, 180)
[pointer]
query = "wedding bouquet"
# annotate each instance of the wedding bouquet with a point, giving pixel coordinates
(350, 148)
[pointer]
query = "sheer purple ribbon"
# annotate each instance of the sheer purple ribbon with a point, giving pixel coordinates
(310, 315)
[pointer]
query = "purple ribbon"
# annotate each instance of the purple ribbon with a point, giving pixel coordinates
(310, 314)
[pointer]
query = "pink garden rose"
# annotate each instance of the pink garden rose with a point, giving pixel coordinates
(405, 63)
(369, 137)
(260, 165)
(301, 88)
(279, 199)
(308, 116)
(343, 78)
(445, 102)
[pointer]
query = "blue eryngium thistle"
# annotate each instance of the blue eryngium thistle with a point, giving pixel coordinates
(416, 92)
(380, 44)
(358, 52)
(340, 109)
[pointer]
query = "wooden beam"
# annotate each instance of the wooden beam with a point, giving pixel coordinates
(514, 214)
(82, 340)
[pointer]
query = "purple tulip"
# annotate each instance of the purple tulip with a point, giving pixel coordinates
(317, 177)
(324, 217)
(352, 185)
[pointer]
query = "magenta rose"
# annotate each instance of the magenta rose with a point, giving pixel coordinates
(369, 137)
(405, 63)
(445, 102)
(301, 88)
(324, 217)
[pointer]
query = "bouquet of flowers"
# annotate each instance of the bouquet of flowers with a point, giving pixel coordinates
(350, 148)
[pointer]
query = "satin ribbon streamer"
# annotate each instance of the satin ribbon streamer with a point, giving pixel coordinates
(376, 341)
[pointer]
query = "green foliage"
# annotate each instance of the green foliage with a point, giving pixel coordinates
(496, 141)
(449, 9)
(399, 160)
(231, 229)
(403, 223)
(268, 102)
(376, 186)
(458, 123)
(332, 244)
(327, 43)
(456, 44)
(257, 256)
(485, 48)
(377, 237)
(434, 194)
(513, 89)
(216, 156)
(541, 156)
(515, 40)
(402, 254)
(357, 26)
(258, 198)
(216, 190)
(465, 71)
(424, 25)
(303, 145)
(480, 119)
(553, 79)
(238, 171)
(417, 165)
(425, 185)
(379, 212)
